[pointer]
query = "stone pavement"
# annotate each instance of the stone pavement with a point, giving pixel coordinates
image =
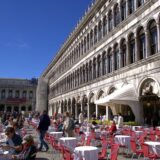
(53, 155)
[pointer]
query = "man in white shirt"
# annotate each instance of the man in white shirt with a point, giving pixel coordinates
(120, 121)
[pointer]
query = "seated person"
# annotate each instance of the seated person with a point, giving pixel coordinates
(14, 141)
(29, 149)
(113, 128)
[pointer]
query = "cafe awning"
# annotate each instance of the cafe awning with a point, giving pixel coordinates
(120, 96)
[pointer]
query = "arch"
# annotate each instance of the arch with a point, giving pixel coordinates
(104, 62)
(111, 90)
(123, 9)
(23, 108)
(141, 43)
(91, 97)
(100, 94)
(110, 20)
(116, 56)
(104, 25)
(153, 36)
(99, 30)
(116, 11)
(123, 52)
(131, 41)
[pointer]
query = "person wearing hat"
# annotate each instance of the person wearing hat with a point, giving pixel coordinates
(29, 149)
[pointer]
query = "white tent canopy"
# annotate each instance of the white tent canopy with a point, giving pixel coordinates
(121, 96)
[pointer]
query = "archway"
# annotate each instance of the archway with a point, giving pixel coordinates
(84, 105)
(149, 91)
(92, 106)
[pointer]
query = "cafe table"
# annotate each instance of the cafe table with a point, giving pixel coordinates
(86, 153)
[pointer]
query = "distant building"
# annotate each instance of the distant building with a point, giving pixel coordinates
(17, 94)
(110, 63)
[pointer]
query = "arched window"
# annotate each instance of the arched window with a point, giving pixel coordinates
(110, 21)
(17, 94)
(95, 35)
(99, 31)
(110, 61)
(140, 2)
(141, 43)
(131, 6)
(24, 94)
(94, 68)
(99, 66)
(104, 26)
(123, 10)
(87, 41)
(123, 53)
(82, 47)
(104, 63)
(3, 94)
(87, 72)
(85, 45)
(132, 48)
(91, 38)
(116, 57)
(10, 94)
(153, 37)
(30, 94)
(90, 70)
(116, 15)
(79, 51)
(84, 76)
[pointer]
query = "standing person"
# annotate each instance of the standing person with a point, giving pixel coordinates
(80, 118)
(42, 128)
(68, 125)
(120, 121)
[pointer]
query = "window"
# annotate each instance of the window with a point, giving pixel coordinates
(95, 35)
(87, 41)
(110, 25)
(153, 37)
(3, 94)
(99, 30)
(131, 6)
(142, 44)
(10, 94)
(98, 66)
(104, 26)
(30, 95)
(91, 38)
(123, 53)
(104, 63)
(90, 70)
(109, 61)
(85, 45)
(116, 57)
(132, 48)
(123, 10)
(117, 15)
(94, 68)
(17, 94)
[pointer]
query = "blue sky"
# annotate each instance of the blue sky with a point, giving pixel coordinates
(32, 31)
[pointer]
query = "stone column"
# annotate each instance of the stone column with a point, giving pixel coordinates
(127, 53)
(81, 106)
(76, 112)
(88, 111)
(71, 108)
(42, 94)
(127, 9)
(107, 113)
(136, 49)
(158, 36)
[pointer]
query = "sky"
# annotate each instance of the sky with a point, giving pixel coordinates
(32, 32)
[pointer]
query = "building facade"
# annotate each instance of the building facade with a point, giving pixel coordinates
(115, 44)
(17, 95)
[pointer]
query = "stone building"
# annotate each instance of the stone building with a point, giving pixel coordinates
(17, 95)
(110, 63)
